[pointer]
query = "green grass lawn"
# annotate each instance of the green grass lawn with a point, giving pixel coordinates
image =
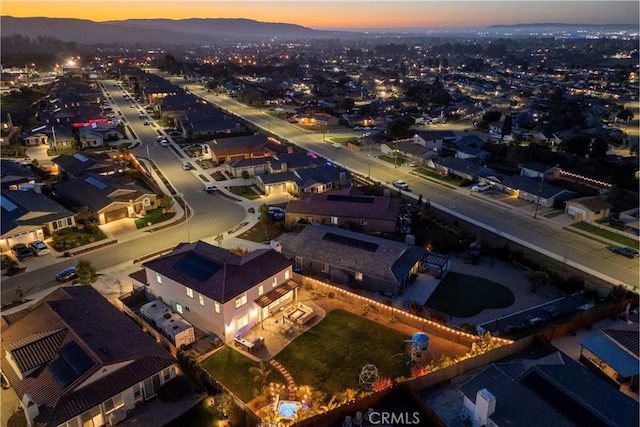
(447, 178)
(66, 238)
(330, 356)
(623, 240)
(244, 191)
(398, 162)
(231, 368)
(461, 295)
(151, 216)
(344, 140)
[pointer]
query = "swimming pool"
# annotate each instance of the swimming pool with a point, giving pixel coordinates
(287, 408)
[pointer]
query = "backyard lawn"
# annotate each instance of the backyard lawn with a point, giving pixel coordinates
(461, 295)
(231, 368)
(330, 356)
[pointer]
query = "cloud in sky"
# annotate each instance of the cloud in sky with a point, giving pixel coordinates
(337, 14)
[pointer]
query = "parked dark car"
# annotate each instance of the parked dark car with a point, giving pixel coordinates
(624, 251)
(67, 274)
(21, 251)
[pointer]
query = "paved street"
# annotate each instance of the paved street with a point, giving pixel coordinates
(542, 234)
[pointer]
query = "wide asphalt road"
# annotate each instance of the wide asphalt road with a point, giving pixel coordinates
(540, 234)
(211, 214)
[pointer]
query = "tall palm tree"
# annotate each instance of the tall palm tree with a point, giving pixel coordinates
(260, 374)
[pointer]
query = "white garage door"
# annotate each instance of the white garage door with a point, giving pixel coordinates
(574, 210)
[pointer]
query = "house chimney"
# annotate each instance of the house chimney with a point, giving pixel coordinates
(275, 245)
(30, 408)
(485, 407)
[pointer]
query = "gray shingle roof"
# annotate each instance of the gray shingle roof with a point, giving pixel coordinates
(215, 272)
(97, 192)
(350, 206)
(377, 257)
(41, 208)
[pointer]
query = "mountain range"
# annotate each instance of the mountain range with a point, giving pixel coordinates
(155, 31)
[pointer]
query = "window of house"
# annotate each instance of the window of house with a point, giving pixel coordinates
(363, 222)
(242, 321)
(325, 267)
(275, 282)
(358, 276)
(286, 275)
(217, 307)
(166, 374)
(260, 290)
(179, 308)
(92, 418)
(201, 299)
(114, 403)
(241, 300)
(189, 292)
(334, 220)
(137, 392)
(158, 278)
(73, 422)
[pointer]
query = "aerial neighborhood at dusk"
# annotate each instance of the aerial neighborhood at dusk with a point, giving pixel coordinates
(320, 214)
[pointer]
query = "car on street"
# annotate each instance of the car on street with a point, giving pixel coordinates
(21, 251)
(336, 145)
(67, 274)
(480, 187)
(142, 116)
(187, 166)
(132, 105)
(292, 120)
(39, 248)
(147, 122)
(175, 133)
(624, 251)
(401, 185)
(276, 212)
(164, 143)
(210, 188)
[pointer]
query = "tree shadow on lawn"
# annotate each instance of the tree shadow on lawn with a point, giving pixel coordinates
(461, 295)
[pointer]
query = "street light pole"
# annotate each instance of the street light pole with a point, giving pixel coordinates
(535, 214)
(369, 158)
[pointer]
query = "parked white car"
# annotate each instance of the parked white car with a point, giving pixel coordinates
(401, 185)
(480, 187)
(39, 248)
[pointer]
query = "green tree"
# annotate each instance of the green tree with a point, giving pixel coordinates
(265, 218)
(165, 202)
(625, 115)
(84, 215)
(260, 374)
(86, 272)
(245, 176)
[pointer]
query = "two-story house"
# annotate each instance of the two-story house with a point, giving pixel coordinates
(218, 291)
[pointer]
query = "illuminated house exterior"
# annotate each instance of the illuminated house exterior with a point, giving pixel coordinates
(218, 291)
(75, 360)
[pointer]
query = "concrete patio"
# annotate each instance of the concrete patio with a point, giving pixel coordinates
(275, 338)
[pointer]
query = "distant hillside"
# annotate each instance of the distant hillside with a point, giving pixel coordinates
(562, 25)
(156, 31)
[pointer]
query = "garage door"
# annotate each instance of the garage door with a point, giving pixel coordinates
(25, 238)
(115, 215)
(573, 210)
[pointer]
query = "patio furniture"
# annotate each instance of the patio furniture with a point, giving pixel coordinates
(243, 344)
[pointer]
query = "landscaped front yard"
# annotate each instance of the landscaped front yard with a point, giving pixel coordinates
(244, 191)
(330, 356)
(461, 295)
(153, 216)
(67, 238)
(623, 240)
(231, 368)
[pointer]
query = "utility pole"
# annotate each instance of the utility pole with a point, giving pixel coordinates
(369, 158)
(535, 214)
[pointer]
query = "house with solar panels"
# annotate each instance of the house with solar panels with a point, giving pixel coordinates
(75, 360)
(217, 291)
(108, 198)
(349, 209)
(353, 259)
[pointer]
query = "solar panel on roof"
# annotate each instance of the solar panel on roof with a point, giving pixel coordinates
(71, 363)
(96, 183)
(197, 267)
(353, 199)
(81, 157)
(351, 242)
(7, 204)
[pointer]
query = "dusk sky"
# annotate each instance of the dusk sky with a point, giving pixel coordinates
(337, 14)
